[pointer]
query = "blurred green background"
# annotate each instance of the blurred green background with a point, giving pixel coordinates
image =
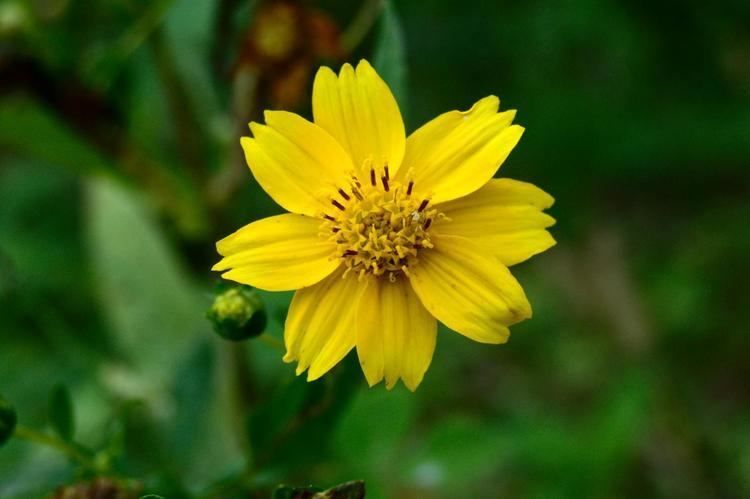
(120, 167)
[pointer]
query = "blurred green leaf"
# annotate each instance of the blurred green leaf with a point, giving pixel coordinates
(374, 424)
(156, 316)
(189, 28)
(154, 311)
(60, 412)
(293, 428)
(28, 128)
(371, 434)
(8, 420)
(102, 63)
(390, 54)
(457, 455)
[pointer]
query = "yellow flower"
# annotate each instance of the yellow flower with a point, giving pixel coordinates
(387, 234)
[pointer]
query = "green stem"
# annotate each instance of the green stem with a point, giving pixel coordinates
(192, 146)
(70, 450)
(360, 26)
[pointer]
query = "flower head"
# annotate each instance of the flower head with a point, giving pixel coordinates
(387, 235)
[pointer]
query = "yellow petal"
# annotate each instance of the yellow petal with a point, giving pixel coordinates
(277, 253)
(320, 328)
(468, 291)
(359, 110)
(296, 162)
(504, 217)
(395, 334)
(458, 152)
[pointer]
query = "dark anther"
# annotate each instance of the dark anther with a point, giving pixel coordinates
(344, 194)
(329, 217)
(372, 177)
(337, 204)
(427, 224)
(349, 252)
(385, 183)
(408, 189)
(335, 229)
(423, 205)
(387, 175)
(356, 193)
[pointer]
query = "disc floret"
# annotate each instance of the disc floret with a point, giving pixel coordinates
(379, 226)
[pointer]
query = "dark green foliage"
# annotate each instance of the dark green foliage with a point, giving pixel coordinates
(295, 425)
(8, 420)
(389, 57)
(60, 413)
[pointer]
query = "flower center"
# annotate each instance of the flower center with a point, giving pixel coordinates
(379, 225)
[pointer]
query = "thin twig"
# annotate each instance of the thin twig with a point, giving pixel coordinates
(70, 450)
(361, 25)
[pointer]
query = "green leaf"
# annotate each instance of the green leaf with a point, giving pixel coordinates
(154, 313)
(293, 429)
(153, 310)
(8, 420)
(371, 429)
(458, 453)
(60, 412)
(28, 128)
(390, 54)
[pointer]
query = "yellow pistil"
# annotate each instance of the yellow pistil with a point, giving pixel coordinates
(379, 225)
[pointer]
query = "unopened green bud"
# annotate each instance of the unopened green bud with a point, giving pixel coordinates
(238, 314)
(7, 421)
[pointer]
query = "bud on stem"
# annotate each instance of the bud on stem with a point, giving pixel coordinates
(237, 314)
